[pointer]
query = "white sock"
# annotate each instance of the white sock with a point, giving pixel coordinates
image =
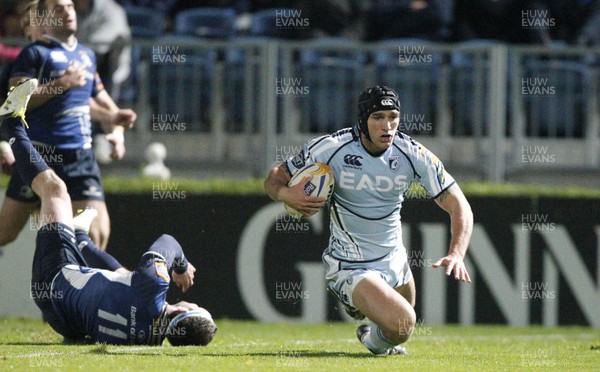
(375, 341)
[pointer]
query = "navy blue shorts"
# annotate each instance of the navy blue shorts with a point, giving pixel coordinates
(77, 168)
(55, 247)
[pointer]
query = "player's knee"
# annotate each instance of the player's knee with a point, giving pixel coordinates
(406, 324)
(398, 327)
(99, 233)
(53, 186)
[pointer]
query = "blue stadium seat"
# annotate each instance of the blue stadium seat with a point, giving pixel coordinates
(554, 92)
(274, 22)
(206, 22)
(183, 80)
(145, 23)
(333, 72)
(468, 81)
(413, 70)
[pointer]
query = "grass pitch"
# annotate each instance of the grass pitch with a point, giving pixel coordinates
(31, 345)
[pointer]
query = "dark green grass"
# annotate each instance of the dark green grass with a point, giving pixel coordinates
(32, 345)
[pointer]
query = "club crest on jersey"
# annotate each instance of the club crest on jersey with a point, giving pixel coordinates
(58, 56)
(353, 161)
(394, 162)
(298, 160)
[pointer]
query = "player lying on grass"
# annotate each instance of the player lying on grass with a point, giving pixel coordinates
(367, 264)
(79, 302)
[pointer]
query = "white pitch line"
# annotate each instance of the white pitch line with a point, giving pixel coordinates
(108, 351)
(41, 354)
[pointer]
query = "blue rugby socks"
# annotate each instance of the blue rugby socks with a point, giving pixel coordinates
(28, 161)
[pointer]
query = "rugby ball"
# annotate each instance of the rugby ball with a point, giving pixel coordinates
(321, 184)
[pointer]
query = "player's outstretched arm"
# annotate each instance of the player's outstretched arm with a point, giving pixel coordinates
(276, 186)
(455, 203)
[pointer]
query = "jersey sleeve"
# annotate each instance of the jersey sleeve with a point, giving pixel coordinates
(311, 153)
(97, 85)
(169, 251)
(28, 63)
(429, 170)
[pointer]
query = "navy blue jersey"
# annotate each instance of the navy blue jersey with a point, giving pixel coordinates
(109, 307)
(114, 308)
(64, 121)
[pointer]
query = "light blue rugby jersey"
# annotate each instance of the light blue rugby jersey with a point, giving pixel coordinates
(369, 190)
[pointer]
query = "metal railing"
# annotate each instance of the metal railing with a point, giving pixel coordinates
(482, 106)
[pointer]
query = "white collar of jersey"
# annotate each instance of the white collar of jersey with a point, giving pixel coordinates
(64, 45)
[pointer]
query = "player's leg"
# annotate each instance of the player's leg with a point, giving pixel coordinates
(100, 228)
(94, 256)
(84, 182)
(392, 314)
(31, 167)
(14, 214)
(408, 291)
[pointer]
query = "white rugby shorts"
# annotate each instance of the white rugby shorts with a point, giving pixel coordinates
(343, 276)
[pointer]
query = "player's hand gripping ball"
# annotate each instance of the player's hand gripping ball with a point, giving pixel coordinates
(321, 184)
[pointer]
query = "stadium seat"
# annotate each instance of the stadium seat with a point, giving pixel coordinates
(468, 79)
(333, 72)
(555, 97)
(413, 71)
(216, 23)
(145, 23)
(270, 23)
(392, 19)
(184, 88)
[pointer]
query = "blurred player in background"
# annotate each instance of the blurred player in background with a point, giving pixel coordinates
(366, 261)
(79, 302)
(60, 110)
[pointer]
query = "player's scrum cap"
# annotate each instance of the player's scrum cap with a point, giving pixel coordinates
(377, 98)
